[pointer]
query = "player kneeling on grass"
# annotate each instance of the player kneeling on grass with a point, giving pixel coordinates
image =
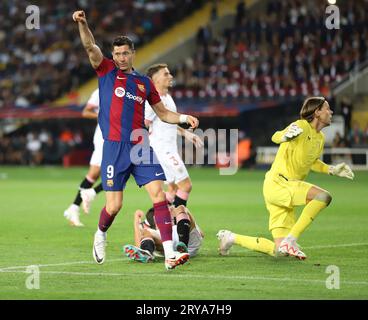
(301, 145)
(186, 234)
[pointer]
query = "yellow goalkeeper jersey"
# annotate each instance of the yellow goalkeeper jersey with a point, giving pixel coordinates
(295, 158)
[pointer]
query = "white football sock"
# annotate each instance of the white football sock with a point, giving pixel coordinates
(74, 207)
(168, 248)
(99, 232)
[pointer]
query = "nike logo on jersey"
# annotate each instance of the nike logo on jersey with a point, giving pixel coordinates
(158, 174)
(120, 78)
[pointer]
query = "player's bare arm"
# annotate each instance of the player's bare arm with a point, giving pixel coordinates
(174, 117)
(192, 137)
(137, 230)
(147, 123)
(94, 52)
(89, 112)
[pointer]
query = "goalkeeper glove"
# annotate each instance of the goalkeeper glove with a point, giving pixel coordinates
(292, 132)
(341, 170)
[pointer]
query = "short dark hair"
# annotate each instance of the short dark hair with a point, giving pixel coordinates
(310, 105)
(121, 41)
(150, 219)
(155, 68)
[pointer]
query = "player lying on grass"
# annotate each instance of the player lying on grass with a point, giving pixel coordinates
(147, 237)
(301, 145)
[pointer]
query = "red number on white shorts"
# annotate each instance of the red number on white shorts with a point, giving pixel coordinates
(176, 162)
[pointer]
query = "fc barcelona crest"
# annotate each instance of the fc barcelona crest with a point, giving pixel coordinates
(141, 87)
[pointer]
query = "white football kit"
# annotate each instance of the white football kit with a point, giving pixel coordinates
(195, 239)
(194, 243)
(163, 140)
(98, 141)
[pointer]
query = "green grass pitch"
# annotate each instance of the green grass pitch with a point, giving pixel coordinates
(34, 232)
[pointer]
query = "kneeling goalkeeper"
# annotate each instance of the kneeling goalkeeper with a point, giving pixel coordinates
(301, 145)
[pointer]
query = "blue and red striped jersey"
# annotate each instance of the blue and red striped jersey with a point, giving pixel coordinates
(122, 100)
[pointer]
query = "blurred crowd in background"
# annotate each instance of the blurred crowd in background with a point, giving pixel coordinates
(34, 146)
(43, 144)
(284, 52)
(48, 62)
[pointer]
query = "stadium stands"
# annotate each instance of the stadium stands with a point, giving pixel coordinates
(38, 66)
(287, 51)
(284, 53)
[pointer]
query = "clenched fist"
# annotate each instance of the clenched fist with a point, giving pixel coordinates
(79, 16)
(193, 121)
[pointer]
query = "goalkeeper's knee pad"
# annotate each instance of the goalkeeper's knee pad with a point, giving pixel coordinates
(324, 196)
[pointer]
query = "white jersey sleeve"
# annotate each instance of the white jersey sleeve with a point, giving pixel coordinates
(94, 99)
(149, 114)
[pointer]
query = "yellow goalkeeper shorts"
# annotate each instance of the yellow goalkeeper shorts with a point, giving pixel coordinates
(281, 196)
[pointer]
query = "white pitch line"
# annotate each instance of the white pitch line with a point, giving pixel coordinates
(337, 246)
(115, 260)
(188, 276)
(56, 264)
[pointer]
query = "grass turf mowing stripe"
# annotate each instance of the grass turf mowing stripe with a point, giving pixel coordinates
(115, 260)
(188, 276)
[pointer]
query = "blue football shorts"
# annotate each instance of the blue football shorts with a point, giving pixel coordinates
(121, 159)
